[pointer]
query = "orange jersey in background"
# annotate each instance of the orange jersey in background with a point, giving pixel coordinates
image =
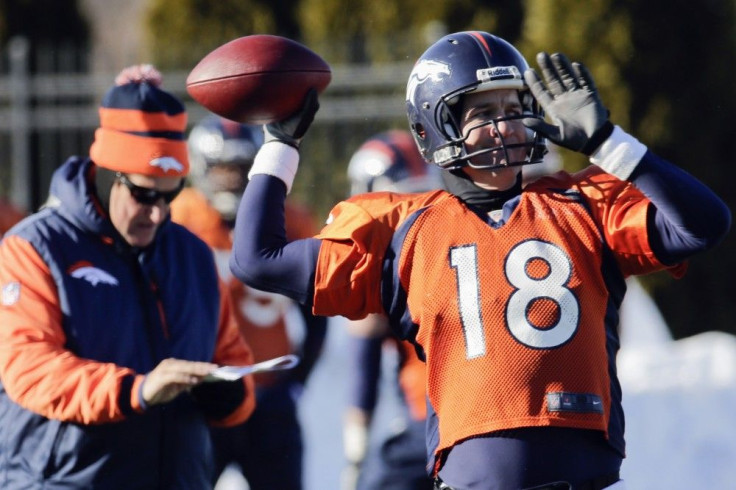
(262, 317)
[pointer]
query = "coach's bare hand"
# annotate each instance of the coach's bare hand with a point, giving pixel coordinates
(171, 377)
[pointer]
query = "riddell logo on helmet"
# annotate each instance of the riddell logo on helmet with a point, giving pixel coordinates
(425, 70)
(167, 163)
(498, 73)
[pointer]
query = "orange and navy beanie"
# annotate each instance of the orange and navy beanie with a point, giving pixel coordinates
(142, 127)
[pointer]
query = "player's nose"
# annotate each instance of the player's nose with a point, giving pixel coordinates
(500, 127)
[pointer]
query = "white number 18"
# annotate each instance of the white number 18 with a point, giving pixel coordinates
(527, 290)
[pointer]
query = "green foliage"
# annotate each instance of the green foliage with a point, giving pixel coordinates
(365, 31)
(599, 36)
(359, 31)
(196, 27)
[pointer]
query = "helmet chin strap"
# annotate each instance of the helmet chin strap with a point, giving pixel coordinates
(458, 183)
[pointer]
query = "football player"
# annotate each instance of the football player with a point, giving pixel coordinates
(268, 449)
(385, 162)
(509, 295)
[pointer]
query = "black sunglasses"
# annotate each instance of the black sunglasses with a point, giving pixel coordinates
(146, 195)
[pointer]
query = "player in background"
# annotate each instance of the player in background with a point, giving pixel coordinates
(386, 162)
(268, 448)
(509, 295)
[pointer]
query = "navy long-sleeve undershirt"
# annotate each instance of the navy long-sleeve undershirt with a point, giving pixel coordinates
(687, 217)
(262, 256)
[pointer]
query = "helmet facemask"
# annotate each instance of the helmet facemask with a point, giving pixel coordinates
(455, 154)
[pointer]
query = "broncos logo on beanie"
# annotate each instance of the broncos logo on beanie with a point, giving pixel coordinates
(142, 127)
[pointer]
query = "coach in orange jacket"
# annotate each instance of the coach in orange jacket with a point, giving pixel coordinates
(112, 316)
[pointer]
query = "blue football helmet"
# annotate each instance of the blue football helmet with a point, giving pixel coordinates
(390, 161)
(458, 64)
(221, 153)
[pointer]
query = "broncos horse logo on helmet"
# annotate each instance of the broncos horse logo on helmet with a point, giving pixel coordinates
(455, 65)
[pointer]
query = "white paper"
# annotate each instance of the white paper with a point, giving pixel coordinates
(231, 373)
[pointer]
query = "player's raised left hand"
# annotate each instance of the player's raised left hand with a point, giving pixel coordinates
(570, 99)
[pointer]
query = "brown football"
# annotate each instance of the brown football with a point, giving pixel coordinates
(257, 79)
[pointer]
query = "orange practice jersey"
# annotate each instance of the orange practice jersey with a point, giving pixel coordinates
(261, 316)
(516, 319)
